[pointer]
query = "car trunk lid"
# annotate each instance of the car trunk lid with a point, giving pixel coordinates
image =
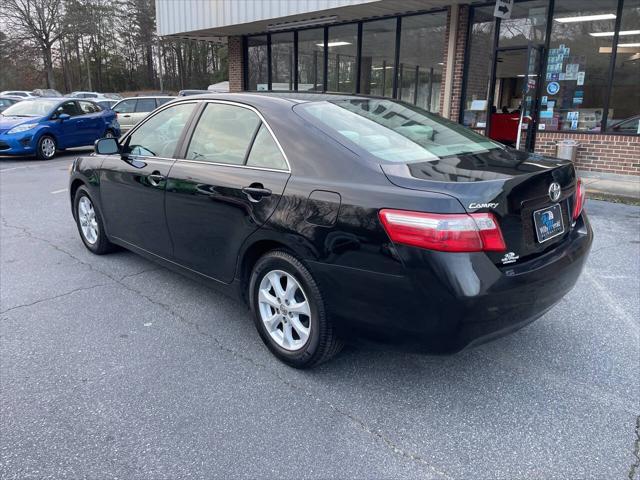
(511, 184)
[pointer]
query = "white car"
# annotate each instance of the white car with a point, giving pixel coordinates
(18, 93)
(131, 110)
(91, 95)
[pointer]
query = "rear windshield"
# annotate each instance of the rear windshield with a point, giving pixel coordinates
(394, 131)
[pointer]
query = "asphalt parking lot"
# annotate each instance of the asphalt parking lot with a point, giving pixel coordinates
(112, 367)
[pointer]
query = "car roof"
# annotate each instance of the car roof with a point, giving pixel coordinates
(280, 97)
(147, 96)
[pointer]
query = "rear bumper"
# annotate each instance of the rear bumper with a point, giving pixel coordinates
(448, 301)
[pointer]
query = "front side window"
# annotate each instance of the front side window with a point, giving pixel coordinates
(158, 136)
(265, 152)
(393, 131)
(146, 105)
(126, 106)
(223, 134)
(70, 108)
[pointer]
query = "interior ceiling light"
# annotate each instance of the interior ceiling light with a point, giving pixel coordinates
(637, 44)
(334, 44)
(611, 34)
(586, 18)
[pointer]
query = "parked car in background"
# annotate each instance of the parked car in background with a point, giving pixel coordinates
(186, 93)
(106, 103)
(84, 95)
(46, 92)
(113, 96)
(7, 101)
(220, 87)
(18, 93)
(44, 125)
(339, 216)
(131, 110)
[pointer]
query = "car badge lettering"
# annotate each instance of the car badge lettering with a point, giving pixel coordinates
(474, 205)
(510, 257)
(554, 191)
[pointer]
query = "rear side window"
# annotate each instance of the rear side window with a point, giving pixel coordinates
(158, 136)
(88, 107)
(126, 106)
(146, 105)
(223, 134)
(265, 152)
(162, 101)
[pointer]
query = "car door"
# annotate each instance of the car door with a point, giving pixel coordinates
(125, 109)
(132, 185)
(227, 181)
(93, 125)
(68, 131)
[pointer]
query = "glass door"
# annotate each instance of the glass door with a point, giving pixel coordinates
(514, 96)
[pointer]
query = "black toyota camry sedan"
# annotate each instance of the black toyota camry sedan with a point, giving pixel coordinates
(340, 217)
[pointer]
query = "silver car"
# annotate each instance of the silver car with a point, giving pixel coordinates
(131, 110)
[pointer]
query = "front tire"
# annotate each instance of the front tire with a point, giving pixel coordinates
(46, 148)
(289, 312)
(90, 224)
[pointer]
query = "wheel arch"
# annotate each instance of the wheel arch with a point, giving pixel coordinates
(250, 255)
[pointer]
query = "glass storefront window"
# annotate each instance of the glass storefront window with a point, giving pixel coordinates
(528, 23)
(378, 57)
(282, 61)
(342, 51)
(311, 60)
(257, 58)
(422, 58)
(478, 73)
(575, 84)
(624, 102)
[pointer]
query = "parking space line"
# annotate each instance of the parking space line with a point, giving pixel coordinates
(60, 191)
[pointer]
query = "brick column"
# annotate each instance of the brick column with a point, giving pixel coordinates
(458, 61)
(236, 72)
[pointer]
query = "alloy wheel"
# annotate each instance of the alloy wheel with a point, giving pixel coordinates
(87, 219)
(284, 310)
(48, 147)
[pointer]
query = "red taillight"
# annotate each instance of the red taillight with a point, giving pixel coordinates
(579, 200)
(473, 232)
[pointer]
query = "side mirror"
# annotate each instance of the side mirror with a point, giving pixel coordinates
(64, 116)
(106, 146)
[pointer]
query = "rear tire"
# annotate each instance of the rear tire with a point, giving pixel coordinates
(289, 311)
(46, 148)
(90, 224)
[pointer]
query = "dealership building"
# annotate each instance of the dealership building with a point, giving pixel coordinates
(553, 70)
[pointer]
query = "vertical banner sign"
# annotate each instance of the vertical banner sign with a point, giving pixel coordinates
(503, 9)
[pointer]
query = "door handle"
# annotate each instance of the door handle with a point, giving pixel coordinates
(126, 116)
(156, 178)
(256, 191)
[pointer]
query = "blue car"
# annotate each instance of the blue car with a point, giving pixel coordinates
(45, 125)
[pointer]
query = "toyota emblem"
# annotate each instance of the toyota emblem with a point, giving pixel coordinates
(554, 191)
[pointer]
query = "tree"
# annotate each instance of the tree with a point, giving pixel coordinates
(36, 21)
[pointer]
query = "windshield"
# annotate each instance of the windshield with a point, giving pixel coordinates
(394, 131)
(31, 108)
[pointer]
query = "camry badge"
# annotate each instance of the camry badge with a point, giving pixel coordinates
(554, 191)
(475, 205)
